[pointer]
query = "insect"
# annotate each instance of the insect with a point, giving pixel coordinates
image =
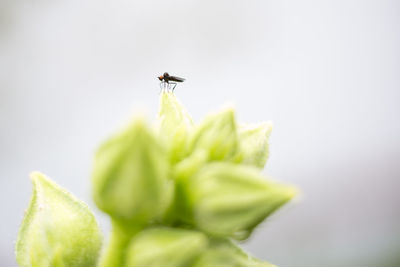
(167, 81)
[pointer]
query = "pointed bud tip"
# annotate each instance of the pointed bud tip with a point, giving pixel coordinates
(228, 109)
(139, 121)
(137, 124)
(286, 191)
(268, 125)
(292, 191)
(34, 174)
(37, 176)
(167, 96)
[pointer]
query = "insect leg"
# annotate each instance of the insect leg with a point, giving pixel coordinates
(161, 86)
(173, 88)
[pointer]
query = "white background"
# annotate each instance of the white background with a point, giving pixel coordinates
(327, 73)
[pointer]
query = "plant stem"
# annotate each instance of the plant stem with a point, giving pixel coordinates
(114, 254)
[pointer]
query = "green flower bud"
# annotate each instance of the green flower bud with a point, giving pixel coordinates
(130, 178)
(165, 247)
(224, 253)
(175, 124)
(182, 171)
(57, 230)
(217, 136)
(229, 200)
(254, 144)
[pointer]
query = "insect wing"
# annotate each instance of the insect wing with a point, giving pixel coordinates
(176, 79)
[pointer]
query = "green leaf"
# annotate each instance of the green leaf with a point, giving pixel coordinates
(216, 136)
(175, 125)
(229, 200)
(130, 177)
(165, 247)
(57, 230)
(254, 147)
(224, 253)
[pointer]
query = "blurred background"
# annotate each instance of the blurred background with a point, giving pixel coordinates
(327, 73)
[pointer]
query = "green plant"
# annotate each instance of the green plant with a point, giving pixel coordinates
(178, 195)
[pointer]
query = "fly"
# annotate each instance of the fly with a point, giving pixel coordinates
(168, 80)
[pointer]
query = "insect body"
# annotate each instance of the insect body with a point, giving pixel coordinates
(167, 80)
